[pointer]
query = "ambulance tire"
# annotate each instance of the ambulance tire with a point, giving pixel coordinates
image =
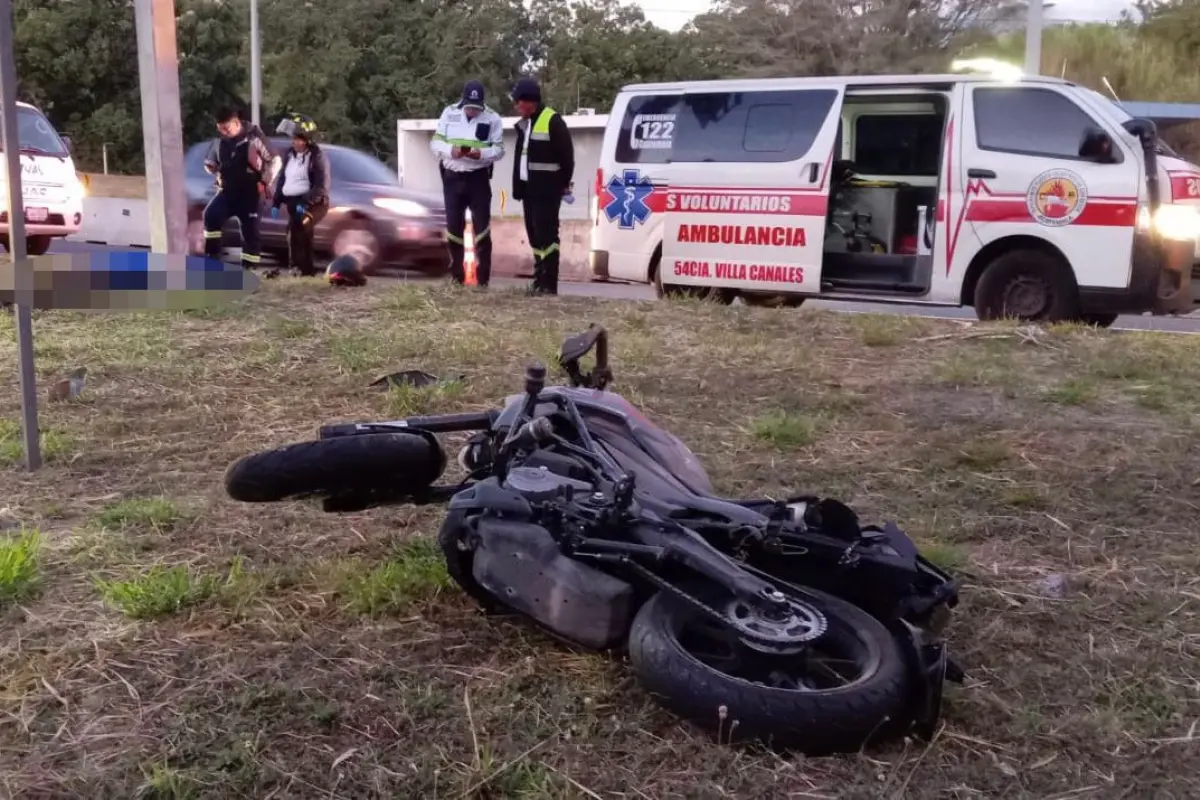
(762, 300)
(1028, 285)
(1099, 320)
(709, 293)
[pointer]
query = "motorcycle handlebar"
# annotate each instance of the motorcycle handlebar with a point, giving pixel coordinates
(440, 423)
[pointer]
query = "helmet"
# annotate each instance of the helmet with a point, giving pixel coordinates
(300, 125)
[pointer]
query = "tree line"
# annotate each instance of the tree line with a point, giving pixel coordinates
(359, 65)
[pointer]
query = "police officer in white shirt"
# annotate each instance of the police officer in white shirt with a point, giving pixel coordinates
(468, 142)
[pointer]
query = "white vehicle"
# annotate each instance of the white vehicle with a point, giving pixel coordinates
(50, 187)
(1024, 197)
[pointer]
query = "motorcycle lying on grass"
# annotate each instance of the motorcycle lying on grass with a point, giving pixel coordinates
(786, 622)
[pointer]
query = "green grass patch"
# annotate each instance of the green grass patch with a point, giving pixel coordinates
(20, 573)
(56, 445)
(159, 514)
(415, 572)
(158, 592)
(785, 430)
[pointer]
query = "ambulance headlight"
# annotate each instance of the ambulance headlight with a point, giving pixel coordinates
(1175, 222)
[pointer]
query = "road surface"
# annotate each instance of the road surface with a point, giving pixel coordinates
(623, 291)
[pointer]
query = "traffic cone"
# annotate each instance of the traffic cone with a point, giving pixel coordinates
(469, 277)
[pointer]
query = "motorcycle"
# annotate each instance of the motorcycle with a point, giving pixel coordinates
(782, 621)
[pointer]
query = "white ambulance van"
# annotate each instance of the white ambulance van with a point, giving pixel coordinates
(1022, 197)
(50, 187)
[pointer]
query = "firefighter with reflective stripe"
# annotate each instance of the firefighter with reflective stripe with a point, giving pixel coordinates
(468, 142)
(542, 177)
(244, 169)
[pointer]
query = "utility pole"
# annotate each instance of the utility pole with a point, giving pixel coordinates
(255, 65)
(22, 269)
(162, 126)
(1034, 22)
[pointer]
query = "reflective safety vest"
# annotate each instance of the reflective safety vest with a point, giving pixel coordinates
(541, 133)
(545, 173)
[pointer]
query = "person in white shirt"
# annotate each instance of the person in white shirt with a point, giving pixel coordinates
(303, 188)
(468, 142)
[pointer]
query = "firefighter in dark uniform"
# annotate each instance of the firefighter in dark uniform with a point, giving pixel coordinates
(542, 177)
(245, 170)
(469, 140)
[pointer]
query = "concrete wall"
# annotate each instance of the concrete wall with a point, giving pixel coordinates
(511, 255)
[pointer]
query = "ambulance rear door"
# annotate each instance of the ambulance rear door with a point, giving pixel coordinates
(748, 190)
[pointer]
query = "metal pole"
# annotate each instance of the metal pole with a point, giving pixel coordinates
(162, 126)
(104, 154)
(16, 238)
(1034, 21)
(255, 64)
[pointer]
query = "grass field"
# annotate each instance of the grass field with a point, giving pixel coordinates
(122, 186)
(163, 641)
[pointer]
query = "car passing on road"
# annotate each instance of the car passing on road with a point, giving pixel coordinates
(370, 214)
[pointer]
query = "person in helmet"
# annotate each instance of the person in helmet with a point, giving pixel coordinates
(303, 188)
(245, 169)
(468, 142)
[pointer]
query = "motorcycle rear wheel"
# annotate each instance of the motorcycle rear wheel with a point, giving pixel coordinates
(816, 720)
(394, 462)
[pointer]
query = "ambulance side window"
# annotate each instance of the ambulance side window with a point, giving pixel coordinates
(1030, 121)
(728, 127)
(754, 127)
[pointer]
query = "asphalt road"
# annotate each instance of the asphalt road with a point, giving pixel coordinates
(620, 291)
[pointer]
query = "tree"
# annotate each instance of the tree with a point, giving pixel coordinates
(775, 38)
(591, 48)
(77, 60)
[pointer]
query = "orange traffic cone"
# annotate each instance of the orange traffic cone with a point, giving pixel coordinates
(469, 277)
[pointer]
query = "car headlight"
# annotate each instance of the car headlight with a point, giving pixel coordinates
(1176, 222)
(403, 208)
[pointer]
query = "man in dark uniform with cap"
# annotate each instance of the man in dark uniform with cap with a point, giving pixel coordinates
(542, 176)
(469, 140)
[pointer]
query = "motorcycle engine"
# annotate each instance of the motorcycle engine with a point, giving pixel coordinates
(518, 561)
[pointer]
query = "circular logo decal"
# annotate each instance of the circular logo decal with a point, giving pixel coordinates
(1056, 197)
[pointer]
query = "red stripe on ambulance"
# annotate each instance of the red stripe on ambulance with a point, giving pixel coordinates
(783, 203)
(1103, 215)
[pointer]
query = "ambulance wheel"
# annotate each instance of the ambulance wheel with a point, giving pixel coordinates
(761, 300)
(1028, 285)
(710, 293)
(1099, 320)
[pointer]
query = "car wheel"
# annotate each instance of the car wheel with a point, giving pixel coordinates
(37, 245)
(356, 239)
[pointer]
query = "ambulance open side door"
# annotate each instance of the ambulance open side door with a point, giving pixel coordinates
(748, 187)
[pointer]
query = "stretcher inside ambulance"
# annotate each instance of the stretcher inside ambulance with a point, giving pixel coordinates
(50, 188)
(1023, 197)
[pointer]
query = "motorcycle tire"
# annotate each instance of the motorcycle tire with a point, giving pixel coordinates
(814, 721)
(400, 463)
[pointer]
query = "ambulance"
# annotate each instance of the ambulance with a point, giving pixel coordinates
(50, 187)
(1024, 197)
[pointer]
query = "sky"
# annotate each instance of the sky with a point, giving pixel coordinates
(674, 14)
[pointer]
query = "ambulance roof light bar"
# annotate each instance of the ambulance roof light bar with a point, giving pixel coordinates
(1000, 70)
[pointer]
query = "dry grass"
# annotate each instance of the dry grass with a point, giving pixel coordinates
(165, 642)
(126, 187)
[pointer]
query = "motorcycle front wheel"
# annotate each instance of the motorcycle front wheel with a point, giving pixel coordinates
(846, 687)
(403, 462)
